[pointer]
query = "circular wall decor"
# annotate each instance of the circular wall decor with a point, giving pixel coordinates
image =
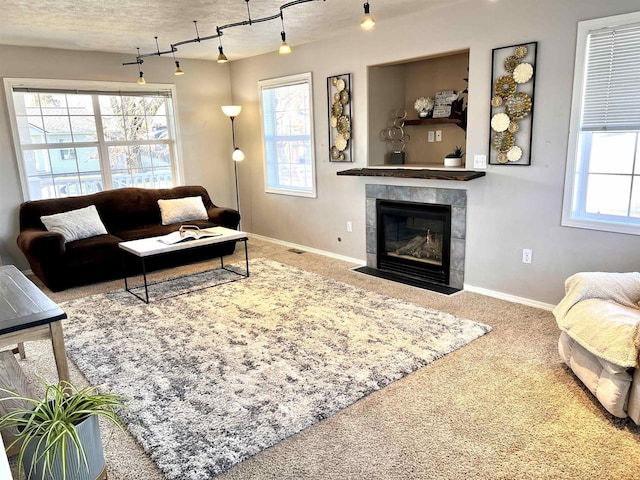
(505, 86)
(523, 73)
(518, 105)
(521, 51)
(510, 63)
(514, 154)
(500, 122)
(503, 141)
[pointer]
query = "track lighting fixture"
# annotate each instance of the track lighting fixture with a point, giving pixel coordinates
(284, 46)
(367, 21)
(139, 61)
(178, 70)
(222, 58)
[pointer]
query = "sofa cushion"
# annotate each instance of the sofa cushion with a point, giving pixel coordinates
(75, 224)
(182, 209)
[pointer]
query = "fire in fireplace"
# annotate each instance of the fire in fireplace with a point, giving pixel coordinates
(413, 239)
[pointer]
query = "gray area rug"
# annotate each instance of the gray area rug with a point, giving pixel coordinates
(219, 374)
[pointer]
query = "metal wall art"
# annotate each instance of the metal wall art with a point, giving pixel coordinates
(512, 88)
(340, 128)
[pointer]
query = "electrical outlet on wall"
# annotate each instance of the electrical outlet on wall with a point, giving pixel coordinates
(527, 255)
(349, 227)
(431, 136)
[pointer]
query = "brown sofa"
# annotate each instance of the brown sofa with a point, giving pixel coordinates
(127, 214)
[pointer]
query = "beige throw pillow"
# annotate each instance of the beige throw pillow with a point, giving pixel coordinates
(182, 209)
(75, 224)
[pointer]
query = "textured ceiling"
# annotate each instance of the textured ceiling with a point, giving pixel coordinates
(122, 25)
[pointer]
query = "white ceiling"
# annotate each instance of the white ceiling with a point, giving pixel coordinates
(122, 25)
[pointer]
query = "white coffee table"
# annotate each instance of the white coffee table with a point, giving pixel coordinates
(152, 246)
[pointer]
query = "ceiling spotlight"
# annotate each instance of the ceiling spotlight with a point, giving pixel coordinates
(178, 71)
(222, 58)
(284, 46)
(367, 21)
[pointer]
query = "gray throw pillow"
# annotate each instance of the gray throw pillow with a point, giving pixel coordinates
(75, 224)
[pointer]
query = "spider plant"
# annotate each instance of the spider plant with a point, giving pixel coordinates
(49, 426)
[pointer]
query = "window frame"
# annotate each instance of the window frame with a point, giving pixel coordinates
(574, 213)
(91, 87)
(297, 79)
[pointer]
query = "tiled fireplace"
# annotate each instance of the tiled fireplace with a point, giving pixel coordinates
(424, 233)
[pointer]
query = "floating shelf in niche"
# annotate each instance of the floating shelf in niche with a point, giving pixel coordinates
(426, 173)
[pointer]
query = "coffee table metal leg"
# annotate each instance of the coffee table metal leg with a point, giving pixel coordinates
(124, 270)
(144, 276)
(246, 257)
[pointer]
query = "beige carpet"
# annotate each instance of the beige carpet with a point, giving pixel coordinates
(502, 407)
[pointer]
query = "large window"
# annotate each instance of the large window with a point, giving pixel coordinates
(287, 125)
(602, 190)
(81, 141)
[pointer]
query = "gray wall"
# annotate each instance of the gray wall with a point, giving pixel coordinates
(510, 209)
(205, 130)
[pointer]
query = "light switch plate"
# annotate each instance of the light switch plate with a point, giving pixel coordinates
(479, 161)
(438, 135)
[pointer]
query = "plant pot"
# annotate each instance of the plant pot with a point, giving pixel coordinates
(452, 161)
(89, 433)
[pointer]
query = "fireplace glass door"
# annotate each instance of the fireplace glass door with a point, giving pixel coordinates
(414, 239)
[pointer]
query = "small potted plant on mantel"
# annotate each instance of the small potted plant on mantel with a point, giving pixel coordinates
(454, 159)
(59, 436)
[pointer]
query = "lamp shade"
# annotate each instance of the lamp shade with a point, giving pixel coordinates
(284, 48)
(237, 155)
(367, 21)
(231, 110)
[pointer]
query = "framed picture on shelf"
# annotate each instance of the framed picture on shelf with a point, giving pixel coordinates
(512, 101)
(340, 125)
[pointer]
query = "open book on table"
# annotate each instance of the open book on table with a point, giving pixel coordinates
(186, 233)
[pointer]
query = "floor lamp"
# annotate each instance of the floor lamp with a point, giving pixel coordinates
(232, 111)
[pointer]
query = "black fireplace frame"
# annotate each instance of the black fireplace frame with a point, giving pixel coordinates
(420, 271)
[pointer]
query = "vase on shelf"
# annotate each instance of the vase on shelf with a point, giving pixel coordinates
(424, 107)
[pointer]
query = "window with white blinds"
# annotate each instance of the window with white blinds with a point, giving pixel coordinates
(611, 98)
(287, 130)
(76, 139)
(602, 185)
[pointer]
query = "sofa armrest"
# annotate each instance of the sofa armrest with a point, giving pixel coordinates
(621, 288)
(226, 217)
(41, 243)
(44, 251)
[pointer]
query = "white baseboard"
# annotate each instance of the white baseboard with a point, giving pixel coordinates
(470, 288)
(509, 298)
(357, 261)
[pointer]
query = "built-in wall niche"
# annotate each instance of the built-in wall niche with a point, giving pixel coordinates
(397, 86)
